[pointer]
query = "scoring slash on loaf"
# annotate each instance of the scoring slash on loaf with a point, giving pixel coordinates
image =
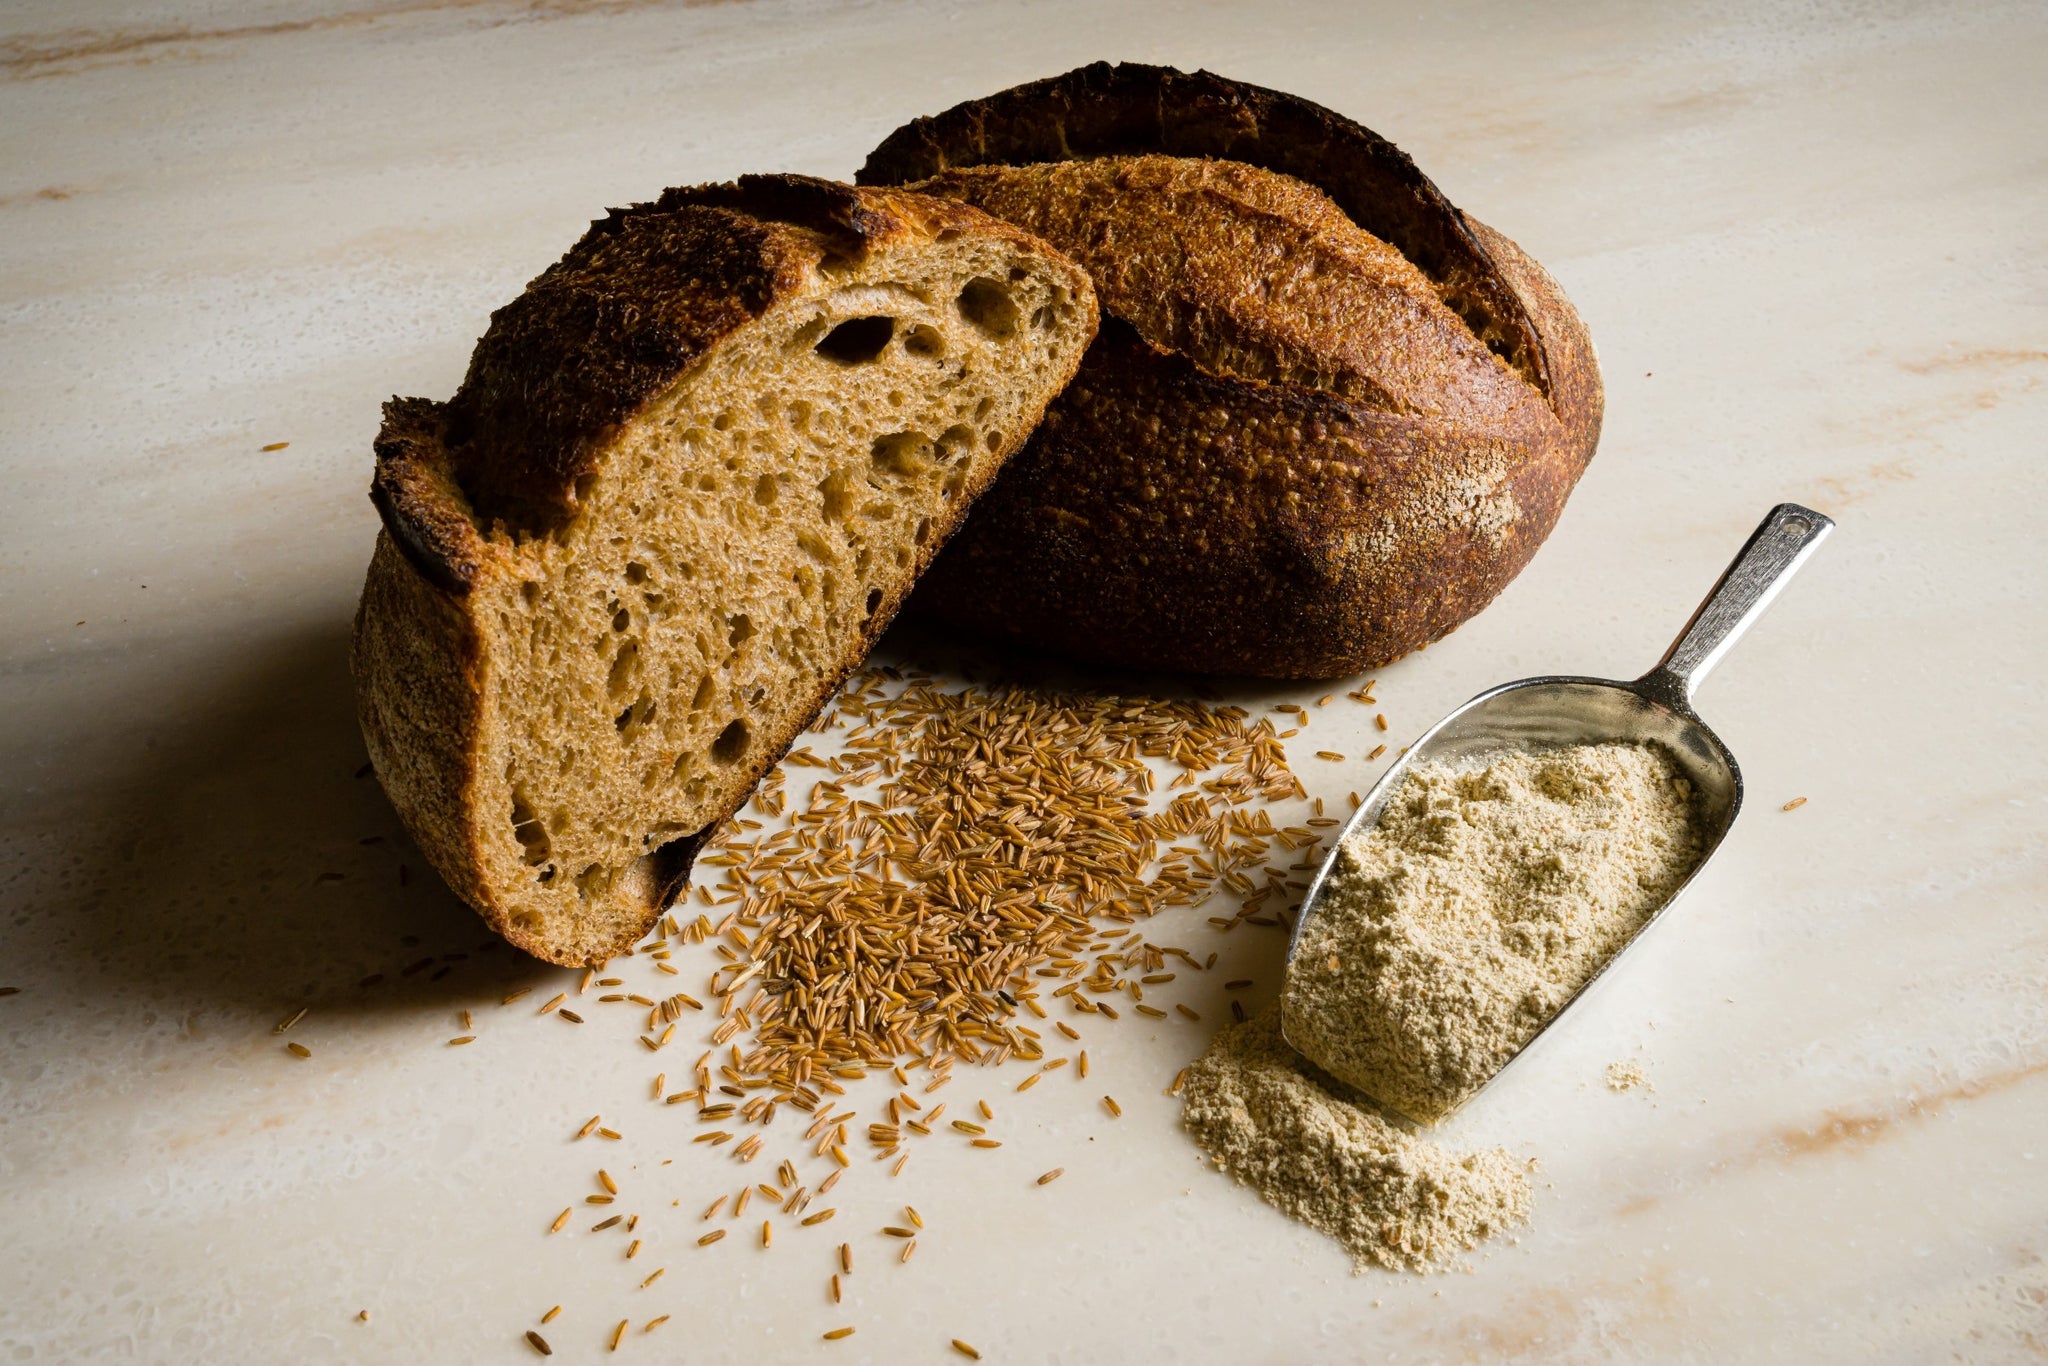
(1329, 416)
(691, 475)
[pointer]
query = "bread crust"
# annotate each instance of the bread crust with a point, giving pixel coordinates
(645, 296)
(1175, 516)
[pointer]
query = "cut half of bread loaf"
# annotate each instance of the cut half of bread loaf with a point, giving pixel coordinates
(692, 473)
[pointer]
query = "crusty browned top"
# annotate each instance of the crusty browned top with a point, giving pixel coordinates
(1252, 273)
(646, 293)
(1130, 109)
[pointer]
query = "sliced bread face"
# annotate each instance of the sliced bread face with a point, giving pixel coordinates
(693, 473)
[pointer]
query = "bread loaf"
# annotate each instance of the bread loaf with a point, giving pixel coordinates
(691, 475)
(1328, 418)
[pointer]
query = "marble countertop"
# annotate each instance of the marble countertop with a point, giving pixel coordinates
(1809, 243)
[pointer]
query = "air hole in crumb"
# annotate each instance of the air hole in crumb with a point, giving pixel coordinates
(837, 493)
(621, 619)
(636, 572)
(925, 341)
(924, 530)
(955, 442)
(994, 439)
(584, 484)
(594, 881)
(730, 744)
(765, 490)
(874, 600)
(740, 629)
(857, 340)
(900, 452)
(988, 306)
(623, 669)
(707, 691)
(531, 592)
(526, 827)
(983, 409)
(723, 422)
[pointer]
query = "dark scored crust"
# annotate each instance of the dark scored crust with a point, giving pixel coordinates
(1174, 516)
(1130, 109)
(424, 510)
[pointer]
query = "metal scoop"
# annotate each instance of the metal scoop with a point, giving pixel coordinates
(1544, 713)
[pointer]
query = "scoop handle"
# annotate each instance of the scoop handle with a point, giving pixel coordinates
(1774, 553)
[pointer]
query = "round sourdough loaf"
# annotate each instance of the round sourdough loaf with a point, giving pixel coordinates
(1328, 417)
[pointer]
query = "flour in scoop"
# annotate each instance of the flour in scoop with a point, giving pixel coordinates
(1336, 1163)
(1449, 933)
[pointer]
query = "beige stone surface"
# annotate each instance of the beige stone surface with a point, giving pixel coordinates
(1809, 243)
